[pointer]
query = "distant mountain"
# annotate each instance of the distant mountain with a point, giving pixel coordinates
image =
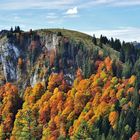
(63, 84)
(137, 44)
(3, 32)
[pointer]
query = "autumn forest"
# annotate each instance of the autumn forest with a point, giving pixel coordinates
(66, 85)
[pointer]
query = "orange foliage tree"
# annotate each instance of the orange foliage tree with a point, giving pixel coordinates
(10, 104)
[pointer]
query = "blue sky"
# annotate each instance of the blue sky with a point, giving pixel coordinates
(113, 18)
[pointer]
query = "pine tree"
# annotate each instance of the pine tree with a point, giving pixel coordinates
(94, 40)
(11, 30)
(138, 122)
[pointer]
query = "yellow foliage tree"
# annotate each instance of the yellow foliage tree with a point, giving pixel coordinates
(113, 116)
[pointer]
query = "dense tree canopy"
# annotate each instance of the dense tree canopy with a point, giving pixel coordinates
(97, 107)
(83, 88)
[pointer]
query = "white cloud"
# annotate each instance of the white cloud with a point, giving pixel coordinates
(53, 18)
(127, 34)
(16, 18)
(36, 4)
(62, 4)
(72, 11)
(126, 3)
(116, 3)
(71, 16)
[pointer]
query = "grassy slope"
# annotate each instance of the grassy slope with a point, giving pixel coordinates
(85, 38)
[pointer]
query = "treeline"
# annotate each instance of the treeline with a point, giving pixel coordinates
(129, 56)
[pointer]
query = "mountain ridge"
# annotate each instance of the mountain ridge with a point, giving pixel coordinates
(20, 46)
(63, 84)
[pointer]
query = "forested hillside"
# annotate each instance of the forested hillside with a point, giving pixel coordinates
(62, 84)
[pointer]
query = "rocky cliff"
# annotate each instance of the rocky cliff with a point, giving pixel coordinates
(30, 57)
(26, 48)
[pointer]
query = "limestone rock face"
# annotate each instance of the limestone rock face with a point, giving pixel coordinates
(9, 54)
(27, 58)
(29, 50)
(51, 41)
